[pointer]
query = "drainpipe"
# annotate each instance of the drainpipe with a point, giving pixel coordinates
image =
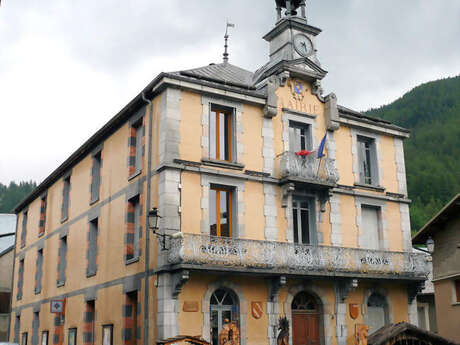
(147, 230)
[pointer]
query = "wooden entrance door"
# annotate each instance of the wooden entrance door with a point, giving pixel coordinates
(305, 321)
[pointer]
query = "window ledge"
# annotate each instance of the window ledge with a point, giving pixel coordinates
(64, 219)
(41, 234)
(137, 173)
(370, 187)
(37, 291)
(131, 261)
(60, 283)
(222, 164)
(90, 274)
(92, 202)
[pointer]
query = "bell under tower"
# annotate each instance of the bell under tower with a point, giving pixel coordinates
(292, 44)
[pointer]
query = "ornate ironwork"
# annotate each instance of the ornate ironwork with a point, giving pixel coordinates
(290, 257)
(307, 167)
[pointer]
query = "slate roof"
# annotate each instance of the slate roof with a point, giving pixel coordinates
(224, 72)
(390, 332)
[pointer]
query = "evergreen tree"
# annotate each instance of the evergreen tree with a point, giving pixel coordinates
(13, 194)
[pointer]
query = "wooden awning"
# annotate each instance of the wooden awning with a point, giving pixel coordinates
(404, 333)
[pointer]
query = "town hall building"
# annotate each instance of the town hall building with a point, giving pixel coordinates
(217, 199)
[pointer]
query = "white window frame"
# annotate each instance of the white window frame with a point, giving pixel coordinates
(377, 169)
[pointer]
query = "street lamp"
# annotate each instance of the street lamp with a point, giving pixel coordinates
(430, 245)
(154, 217)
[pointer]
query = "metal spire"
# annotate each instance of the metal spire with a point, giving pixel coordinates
(226, 41)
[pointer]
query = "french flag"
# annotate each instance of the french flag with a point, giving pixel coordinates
(320, 150)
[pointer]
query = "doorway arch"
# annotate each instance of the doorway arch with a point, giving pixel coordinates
(224, 308)
(306, 316)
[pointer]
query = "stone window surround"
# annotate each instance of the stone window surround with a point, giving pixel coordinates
(238, 202)
(237, 127)
(389, 305)
(383, 226)
(355, 155)
(326, 311)
(206, 307)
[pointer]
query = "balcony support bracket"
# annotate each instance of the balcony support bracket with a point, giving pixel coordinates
(414, 289)
(275, 287)
(344, 287)
(286, 191)
(179, 280)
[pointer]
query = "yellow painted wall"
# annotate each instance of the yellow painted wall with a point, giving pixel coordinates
(387, 152)
(191, 203)
(344, 156)
(393, 219)
(254, 218)
(348, 219)
(252, 138)
(190, 126)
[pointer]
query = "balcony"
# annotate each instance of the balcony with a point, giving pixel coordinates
(230, 254)
(308, 168)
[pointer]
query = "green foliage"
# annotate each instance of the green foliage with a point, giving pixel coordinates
(432, 112)
(11, 195)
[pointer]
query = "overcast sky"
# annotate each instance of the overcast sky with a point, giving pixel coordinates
(67, 67)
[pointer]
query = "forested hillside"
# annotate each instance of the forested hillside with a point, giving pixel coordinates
(432, 112)
(12, 194)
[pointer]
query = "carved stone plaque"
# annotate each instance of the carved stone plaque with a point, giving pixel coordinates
(190, 306)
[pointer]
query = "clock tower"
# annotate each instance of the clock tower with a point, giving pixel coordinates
(292, 44)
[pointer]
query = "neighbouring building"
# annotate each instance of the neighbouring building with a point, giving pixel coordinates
(426, 306)
(444, 229)
(253, 226)
(7, 226)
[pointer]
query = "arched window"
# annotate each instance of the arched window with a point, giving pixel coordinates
(377, 312)
(306, 321)
(224, 306)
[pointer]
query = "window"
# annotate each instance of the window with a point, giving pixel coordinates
(45, 336)
(299, 136)
(17, 328)
(42, 221)
(92, 248)
(133, 229)
(131, 330)
(24, 338)
(62, 261)
(220, 211)
(20, 279)
(89, 323)
(96, 177)
(457, 290)
(377, 312)
(303, 219)
(39, 272)
(224, 309)
(72, 336)
(136, 148)
(4, 302)
(35, 326)
(221, 134)
(65, 199)
(367, 157)
(370, 225)
(24, 229)
(107, 335)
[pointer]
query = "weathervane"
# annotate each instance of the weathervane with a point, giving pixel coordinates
(229, 25)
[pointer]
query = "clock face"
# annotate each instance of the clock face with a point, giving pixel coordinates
(303, 45)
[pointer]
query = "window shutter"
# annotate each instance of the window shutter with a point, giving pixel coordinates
(139, 148)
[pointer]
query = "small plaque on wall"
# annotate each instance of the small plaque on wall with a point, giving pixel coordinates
(191, 306)
(354, 310)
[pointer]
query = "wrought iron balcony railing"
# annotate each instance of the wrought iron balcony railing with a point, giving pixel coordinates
(289, 164)
(284, 257)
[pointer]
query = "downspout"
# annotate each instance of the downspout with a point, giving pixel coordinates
(147, 230)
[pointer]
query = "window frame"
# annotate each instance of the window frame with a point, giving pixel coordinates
(65, 206)
(44, 338)
(308, 135)
(73, 331)
(370, 158)
(136, 146)
(25, 217)
(62, 261)
(378, 209)
(96, 177)
(230, 209)
(93, 234)
(312, 226)
(135, 204)
(39, 271)
(456, 292)
(20, 284)
(42, 219)
(230, 141)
